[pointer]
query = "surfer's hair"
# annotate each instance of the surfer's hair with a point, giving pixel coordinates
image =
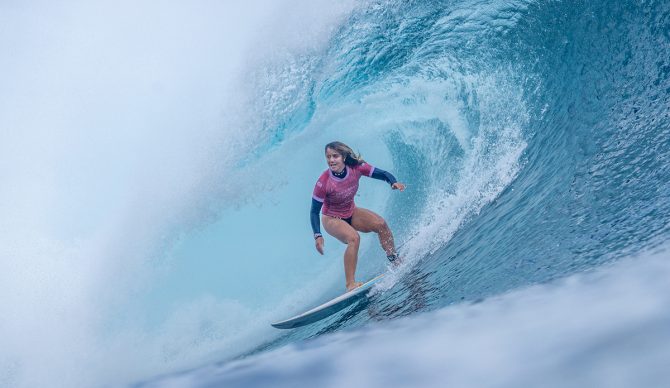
(348, 155)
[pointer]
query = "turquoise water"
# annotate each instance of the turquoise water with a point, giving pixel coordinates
(168, 231)
(534, 138)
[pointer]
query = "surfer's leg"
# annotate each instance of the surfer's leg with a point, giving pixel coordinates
(367, 221)
(347, 234)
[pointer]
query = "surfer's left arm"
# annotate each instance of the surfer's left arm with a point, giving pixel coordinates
(386, 176)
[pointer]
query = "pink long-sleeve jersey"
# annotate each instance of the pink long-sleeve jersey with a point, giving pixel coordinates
(337, 194)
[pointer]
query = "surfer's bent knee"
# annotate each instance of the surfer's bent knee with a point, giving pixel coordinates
(354, 239)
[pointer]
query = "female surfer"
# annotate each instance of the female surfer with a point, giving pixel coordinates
(335, 191)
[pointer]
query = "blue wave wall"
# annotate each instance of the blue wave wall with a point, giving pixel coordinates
(534, 138)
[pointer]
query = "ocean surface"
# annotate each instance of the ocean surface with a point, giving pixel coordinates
(157, 161)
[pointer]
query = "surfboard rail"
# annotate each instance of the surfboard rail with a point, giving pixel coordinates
(329, 308)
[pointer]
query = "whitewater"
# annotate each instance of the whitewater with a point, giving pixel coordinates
(158, 158)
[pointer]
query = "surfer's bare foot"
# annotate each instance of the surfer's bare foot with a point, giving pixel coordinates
(353, 286)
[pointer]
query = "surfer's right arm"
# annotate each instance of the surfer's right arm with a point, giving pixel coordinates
(316, 224)
(318, 197)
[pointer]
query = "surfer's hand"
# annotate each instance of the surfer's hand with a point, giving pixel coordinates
(319, 244)
(398, 186)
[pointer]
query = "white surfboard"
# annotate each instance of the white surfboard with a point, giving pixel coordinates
(329, 308)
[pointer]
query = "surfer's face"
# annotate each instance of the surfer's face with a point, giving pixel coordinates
(335, 160)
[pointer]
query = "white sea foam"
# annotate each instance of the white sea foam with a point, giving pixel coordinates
(605, 328)
(119, 125)
(460, 184)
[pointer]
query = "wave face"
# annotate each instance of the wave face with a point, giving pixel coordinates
(598, 329)
(534, 138)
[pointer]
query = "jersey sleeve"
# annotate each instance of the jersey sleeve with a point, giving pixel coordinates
(365, 169)
(319, 193)
(380, 174)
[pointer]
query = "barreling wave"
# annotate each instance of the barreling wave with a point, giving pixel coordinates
(533, 136)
